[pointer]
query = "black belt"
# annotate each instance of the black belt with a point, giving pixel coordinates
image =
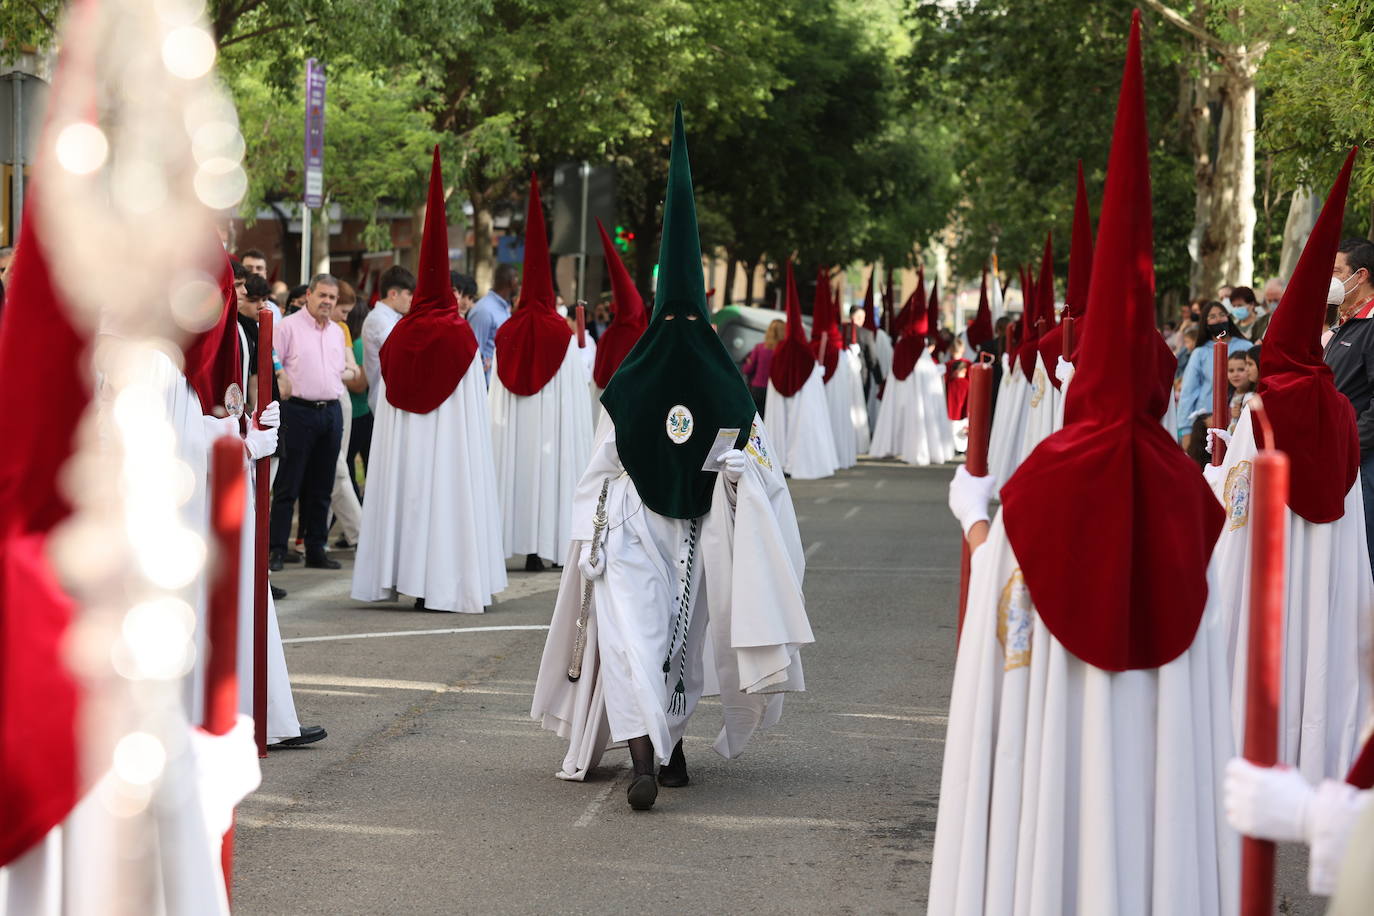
(313, 405)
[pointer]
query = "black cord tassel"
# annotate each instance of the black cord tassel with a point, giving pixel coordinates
(677, 704)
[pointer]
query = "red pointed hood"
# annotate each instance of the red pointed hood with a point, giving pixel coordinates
(1112, 483)
(39, 697)
(1051, 345)
(980, 332)
(432, 347)
(532, 344)
(628, 319)
(792, 362)
(1313, 422)
(213, 363)
(933, 334)
(824, 324)
(914, 324)
(1030, 324)
(871, 317)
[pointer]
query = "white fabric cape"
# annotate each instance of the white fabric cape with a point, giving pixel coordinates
(1004, 442)
(913, 421)
(882, 352)
(844, 398)
(751, 605)
(1068, 789)
(1040, 410)
(540, 445)
(73, 870)
(800, 426)
(431, 521)
(1324, 697)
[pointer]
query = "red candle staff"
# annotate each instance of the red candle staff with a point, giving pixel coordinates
(582, 325)
(1067, 347)
(1269, 530)
(976, 458)
(263, 503)
(221, 670)
(1221, 401)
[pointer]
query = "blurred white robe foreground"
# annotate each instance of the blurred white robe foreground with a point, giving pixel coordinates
(800, 427)
(747, 614)
(540, 444)
(431, 521)
(1068, 789)
(913, 420)
(1324, 693)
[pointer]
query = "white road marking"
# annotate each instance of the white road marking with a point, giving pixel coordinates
(332, 693)
(822, 500)
(924, 720)
(444, 632)
(840, 485)
(756, 822)
(593, 806)
(880, 483)
(815, 546)
(301, 823)
(853, 511)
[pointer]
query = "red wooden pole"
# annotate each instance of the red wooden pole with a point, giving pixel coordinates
(1268, 532)
(1221, 401)
(221, 670)
(1067, 324)
(976, 458)
(263, 518)
(581, 326)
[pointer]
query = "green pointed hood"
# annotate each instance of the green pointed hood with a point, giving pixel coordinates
(678, 387)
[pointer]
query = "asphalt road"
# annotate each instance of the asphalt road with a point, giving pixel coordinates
(435, 793)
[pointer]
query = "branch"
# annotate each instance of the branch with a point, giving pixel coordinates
(38, 11)
(265, 30)
(1176, 18)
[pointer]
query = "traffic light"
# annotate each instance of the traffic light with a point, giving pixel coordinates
(623, 239)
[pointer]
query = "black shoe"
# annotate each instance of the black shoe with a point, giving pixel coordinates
(277, 593)
(274, 560)
(642, 792)
(309, 735)
(320, 560)
(292, 556)
(419, 604)
(343, 544)
(533, 563)
(674, 775)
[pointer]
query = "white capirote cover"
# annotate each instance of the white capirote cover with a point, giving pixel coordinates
(540, 444)
(431, 520)
(800, 427)
(1067, 789)
(1324, 694)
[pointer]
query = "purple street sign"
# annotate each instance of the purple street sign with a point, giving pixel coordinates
(314, 133)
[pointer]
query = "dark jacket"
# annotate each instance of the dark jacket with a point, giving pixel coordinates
(1350, 354)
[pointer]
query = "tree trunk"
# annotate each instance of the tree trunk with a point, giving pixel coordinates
(1228, 240)
(483, 254)
(731, 265)
(319, 242)
(644, 224)
(1302, 216)
(749, 270)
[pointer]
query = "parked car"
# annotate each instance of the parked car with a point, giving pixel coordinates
(741, 327)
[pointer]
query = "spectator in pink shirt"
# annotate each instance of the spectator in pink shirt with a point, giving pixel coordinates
(311, 349)
(759, 363)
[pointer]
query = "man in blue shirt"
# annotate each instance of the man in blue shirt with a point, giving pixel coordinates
(492, 310)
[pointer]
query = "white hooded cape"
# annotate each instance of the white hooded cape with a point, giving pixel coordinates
(913, 421)
(1324, 694)
(844, 398)
(800, 425)
(1008, 422)
(1068, 789)
(431, 522)
(540, 445)
(1041, 409)
(748, 605)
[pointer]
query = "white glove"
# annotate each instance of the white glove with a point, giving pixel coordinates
(1213, 474)
(969, 497)
(1213, 435)
(732, 465)
(1336, 807)
(1266, 803)
(591, 570)
(261, 443)
(1063, 370)
(270, 418)
(215, 427)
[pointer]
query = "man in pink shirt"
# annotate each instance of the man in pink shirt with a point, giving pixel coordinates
(311, 348)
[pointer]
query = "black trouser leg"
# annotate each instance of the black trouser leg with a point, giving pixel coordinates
(317, 484)
(297, 433)
(642, 754)
(359, 443)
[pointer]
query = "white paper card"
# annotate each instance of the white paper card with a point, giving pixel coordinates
(725, 440)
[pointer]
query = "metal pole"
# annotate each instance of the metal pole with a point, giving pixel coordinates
(306, 254)
(582, 245)
(17, 87)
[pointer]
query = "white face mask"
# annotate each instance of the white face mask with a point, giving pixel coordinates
(1336, 294)
(1355, 283)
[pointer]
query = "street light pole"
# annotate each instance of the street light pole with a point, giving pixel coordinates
(582, 245)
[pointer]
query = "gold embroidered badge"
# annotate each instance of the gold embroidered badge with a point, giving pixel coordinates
(1038, 386)
(755, 448)
(1014, 616)
(1236, 495)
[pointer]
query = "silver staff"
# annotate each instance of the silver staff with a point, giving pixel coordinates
(580, 640)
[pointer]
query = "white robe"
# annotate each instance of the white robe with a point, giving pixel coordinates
(800, 426)
(858, 406)
(431, 521)
(848, 415)
(1067, 789)
(1040, 410)
(1325, 692)
(747, 622)
(1004, 442)
(540, 445)
(913, 422)
(882, 352)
